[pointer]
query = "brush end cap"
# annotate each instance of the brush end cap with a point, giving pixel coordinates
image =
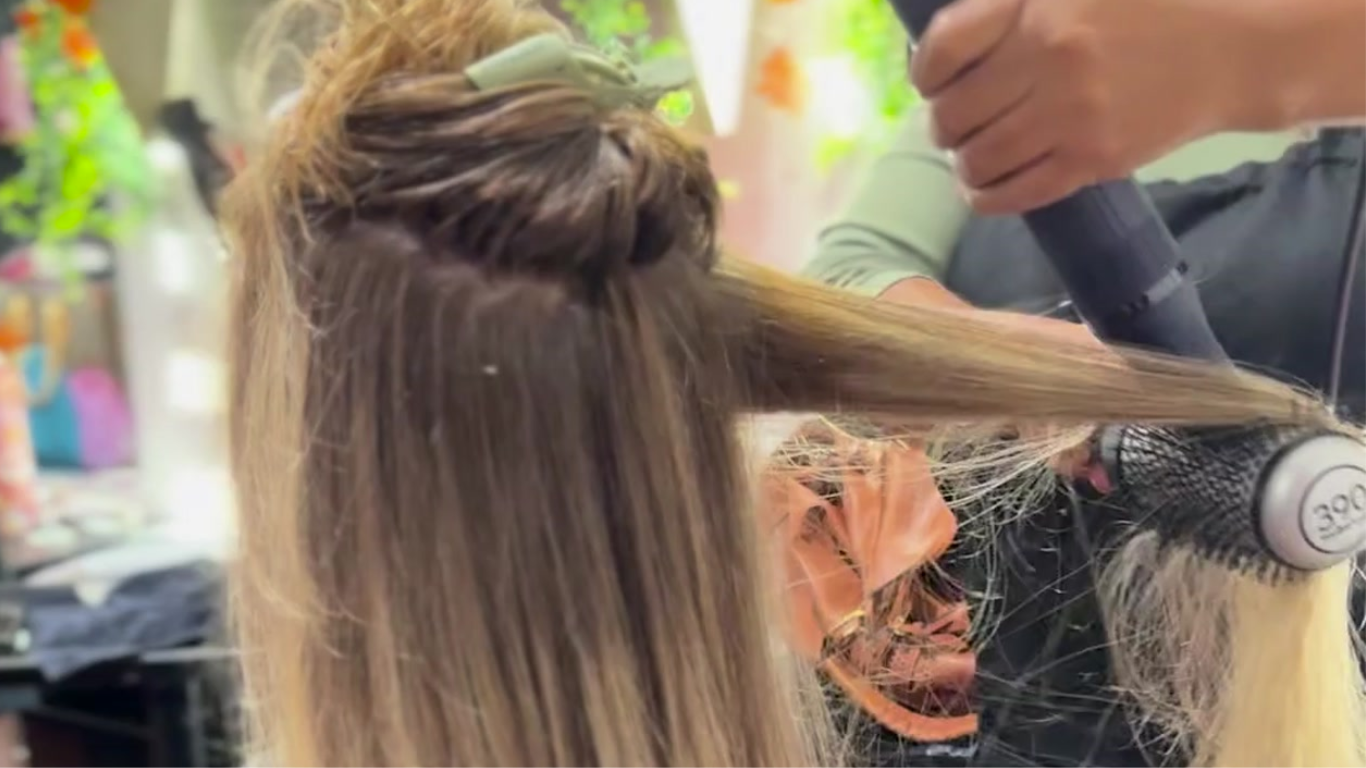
(1312, 505)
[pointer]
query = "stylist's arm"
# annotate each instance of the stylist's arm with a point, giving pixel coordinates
(1037, 98)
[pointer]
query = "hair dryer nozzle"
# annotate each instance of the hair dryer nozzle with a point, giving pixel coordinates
(1256, 498)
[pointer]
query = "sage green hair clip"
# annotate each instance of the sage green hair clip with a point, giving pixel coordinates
(613, 83)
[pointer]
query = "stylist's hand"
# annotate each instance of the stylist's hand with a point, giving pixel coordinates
(924, 292)
(1037, 98)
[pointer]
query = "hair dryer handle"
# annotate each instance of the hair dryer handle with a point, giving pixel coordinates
(1123, 269)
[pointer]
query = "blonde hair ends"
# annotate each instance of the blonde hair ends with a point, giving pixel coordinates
(487, 368)
(1234, 670)
(1294, 685)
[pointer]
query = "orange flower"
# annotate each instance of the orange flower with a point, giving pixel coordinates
(27, 19)
(11, 339)
(782, 83)
(79, 45)
(78, 7)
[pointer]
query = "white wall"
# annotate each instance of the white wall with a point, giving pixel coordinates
(166, 49)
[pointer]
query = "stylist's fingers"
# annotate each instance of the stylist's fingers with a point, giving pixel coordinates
(1081, 463)
(980, 97)
(1041, 182)
(1005, 148)
(958, 37)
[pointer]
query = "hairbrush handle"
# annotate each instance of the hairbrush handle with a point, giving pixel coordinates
(1113, 253)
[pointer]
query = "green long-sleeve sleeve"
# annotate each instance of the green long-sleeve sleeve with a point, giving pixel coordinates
(907, 213)
(903, 221)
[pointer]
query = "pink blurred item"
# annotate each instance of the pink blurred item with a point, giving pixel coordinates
(16, 107)
(106, 423)
(17, 266)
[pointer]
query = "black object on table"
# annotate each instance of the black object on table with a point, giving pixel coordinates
(135, 679)
(164, 708)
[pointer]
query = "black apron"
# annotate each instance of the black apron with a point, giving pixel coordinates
(1265, 245)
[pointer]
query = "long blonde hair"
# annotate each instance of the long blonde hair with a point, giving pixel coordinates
(486, 371)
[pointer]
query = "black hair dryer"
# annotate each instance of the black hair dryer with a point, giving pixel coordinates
(1273, 497)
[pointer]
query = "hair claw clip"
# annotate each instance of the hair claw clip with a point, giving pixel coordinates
(551, 57)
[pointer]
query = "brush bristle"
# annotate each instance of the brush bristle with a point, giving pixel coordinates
(1199, 488)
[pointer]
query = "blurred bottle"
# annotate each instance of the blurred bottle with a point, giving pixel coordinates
(172, 287)
(19, 510)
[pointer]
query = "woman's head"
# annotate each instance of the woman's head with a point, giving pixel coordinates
(486, 372)
(505, 381)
